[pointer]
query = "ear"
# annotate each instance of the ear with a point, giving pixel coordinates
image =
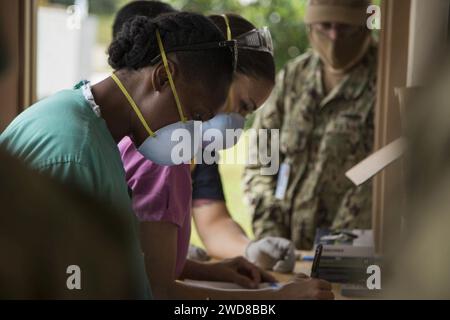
(159, 75)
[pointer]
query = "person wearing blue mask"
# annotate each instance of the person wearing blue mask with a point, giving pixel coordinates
(73, 134)
(253, 81)
(162, 196)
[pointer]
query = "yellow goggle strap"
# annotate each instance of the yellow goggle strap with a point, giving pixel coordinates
(133, 105)
(169, 76)
(227, 22)
(228, 107)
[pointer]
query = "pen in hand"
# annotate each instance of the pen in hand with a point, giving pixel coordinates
(316, 262)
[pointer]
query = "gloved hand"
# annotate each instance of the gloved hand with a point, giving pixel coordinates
(198, 254)
(272, 253)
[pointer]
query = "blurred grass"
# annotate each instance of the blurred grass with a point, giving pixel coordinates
(104, 32)
(232, 183)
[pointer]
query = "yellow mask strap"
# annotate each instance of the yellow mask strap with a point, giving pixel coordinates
(133, 105)
(169, 76)
(227, 22)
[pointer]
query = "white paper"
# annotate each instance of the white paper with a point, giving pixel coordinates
(373, 164)
(225, 285)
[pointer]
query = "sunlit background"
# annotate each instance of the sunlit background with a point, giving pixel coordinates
(73, 36)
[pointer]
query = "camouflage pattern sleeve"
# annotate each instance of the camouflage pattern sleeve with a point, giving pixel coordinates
(267, 217)
(355, 210)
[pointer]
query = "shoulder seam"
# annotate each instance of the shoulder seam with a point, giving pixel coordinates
(51, 163)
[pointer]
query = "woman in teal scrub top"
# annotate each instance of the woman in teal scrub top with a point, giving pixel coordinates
(73, 134)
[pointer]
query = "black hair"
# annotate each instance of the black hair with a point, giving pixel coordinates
(136, 46)
(150, 9)
(252, 63)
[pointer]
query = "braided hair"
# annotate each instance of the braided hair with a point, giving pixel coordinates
(135, 46)
(146, 8)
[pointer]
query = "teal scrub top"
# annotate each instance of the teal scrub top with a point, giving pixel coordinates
(62, 136)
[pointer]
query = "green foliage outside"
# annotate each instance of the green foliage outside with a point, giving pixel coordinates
(285, 20)
(283, 17)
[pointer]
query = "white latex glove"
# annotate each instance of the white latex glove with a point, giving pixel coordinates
(272, 253)
(198, 254)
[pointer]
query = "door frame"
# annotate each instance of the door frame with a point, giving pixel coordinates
(19, 35)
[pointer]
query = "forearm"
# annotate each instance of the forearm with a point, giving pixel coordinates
(215, 227)
(201, 271)
(227, 231)
(165, 287)
(159, 244)
(195, 271)
(305, 289)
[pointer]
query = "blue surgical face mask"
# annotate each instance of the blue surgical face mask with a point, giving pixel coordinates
(174, 144)
(219, 125)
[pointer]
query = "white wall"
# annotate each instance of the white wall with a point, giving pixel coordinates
(64, 54)
(428, 36)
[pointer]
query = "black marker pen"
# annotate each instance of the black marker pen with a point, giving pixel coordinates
(316, 262)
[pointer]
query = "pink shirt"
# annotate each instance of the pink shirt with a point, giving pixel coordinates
(160, 194)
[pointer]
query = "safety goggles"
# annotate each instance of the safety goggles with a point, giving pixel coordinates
(256, 39)
(231, 44)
